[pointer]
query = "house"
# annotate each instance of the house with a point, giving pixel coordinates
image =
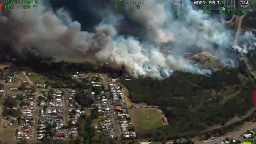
(25, 130)
(164, 119)
(118, 108)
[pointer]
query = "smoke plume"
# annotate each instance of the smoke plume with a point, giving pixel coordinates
(53, 32)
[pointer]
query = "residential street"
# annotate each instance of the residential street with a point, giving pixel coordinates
(116, 127)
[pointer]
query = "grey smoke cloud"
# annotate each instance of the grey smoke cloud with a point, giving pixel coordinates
(48, 31)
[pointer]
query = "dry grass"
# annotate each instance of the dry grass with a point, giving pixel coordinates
(232, 121)
(228, 94)
(2, 66)
(125, 91)
(87, 112)
(8, 134)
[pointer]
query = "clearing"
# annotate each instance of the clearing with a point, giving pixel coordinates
(125, 91)
(8, 134)
(37, 78)
(146, 119)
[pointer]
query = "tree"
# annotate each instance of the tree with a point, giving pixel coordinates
(94, 114)
(180, 95)
(83, 100)
(223, 123)
(11, 112)
(88, 130)
(47, 140)
(78, 140)
(10, 102)
(159, 135)
(1, 86)
(101, 138)
(23, 142)
(50, 129)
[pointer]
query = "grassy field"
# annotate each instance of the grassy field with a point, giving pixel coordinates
(37, 78)
(146, 119)
(8, 134)
(125, 91)
(87, 112)
(15, 83)
(13, 93)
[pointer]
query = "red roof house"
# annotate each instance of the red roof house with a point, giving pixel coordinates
(164, 119)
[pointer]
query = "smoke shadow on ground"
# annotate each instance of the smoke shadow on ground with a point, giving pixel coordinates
(44, 64)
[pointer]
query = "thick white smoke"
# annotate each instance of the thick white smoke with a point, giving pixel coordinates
(48, 31)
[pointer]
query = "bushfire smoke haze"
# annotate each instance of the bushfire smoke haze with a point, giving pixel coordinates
(150, 41)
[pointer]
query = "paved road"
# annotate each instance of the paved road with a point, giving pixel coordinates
(239, 20)
(65, 107)
(113, 116)
(116, 127)
(36, 109)
(29, 81)
(234, 134)
(214, 140)
(244, 58)
(232, 121)
(227, 22)
(104, 81)
(234, 16)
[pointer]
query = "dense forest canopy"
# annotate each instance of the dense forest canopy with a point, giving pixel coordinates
(194, 102)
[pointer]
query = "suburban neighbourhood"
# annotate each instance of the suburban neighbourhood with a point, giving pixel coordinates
(33, 111)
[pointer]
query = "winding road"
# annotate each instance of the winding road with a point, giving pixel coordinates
(227, 22)
(238, 22)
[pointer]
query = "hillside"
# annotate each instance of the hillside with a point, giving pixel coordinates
(249, 22)
(194, 102)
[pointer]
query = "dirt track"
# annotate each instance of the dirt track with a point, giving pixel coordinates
(235, 134)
